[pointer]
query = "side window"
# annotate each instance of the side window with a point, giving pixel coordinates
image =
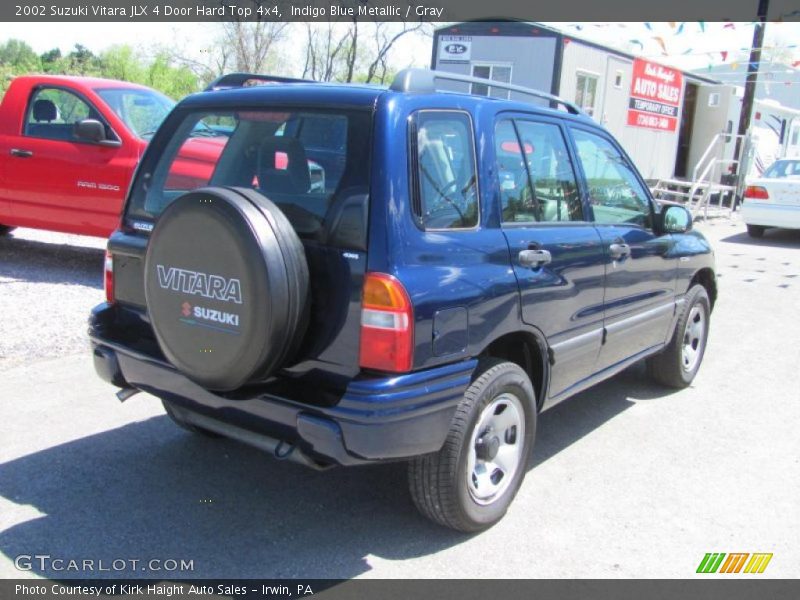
(615, 193)
(537, 181)
(446, 181)
(143, 114)
(53, 113)
(516, 198)
(552, 176)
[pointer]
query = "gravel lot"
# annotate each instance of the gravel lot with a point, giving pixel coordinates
(49, 282)
(628, 480)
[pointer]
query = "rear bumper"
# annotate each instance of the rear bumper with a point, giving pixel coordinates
(376, 419)
(771, 215)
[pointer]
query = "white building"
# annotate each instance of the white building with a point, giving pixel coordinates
(665, 118)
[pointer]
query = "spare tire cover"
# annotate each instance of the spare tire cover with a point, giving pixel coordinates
(226, 285)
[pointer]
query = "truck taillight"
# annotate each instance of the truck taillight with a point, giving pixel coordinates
(387, 325)
(108, 276)
(756, 192)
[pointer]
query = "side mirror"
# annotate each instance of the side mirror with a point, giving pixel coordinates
(675, 219)
(92, 130)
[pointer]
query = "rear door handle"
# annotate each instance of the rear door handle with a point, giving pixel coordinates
(619, 251)
(21, 153)
(534, 258)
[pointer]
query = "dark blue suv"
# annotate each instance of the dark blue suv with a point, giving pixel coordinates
(345, 274)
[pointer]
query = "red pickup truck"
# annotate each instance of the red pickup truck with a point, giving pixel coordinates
(69, 146)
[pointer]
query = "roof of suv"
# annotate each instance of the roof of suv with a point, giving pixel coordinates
(353, 95)
(357, 96)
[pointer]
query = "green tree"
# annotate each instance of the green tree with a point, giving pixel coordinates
(117, 62)
(16, 58)
(52, 61)
(81, 61)
(174, 81)
(121, 62)
(19, 56)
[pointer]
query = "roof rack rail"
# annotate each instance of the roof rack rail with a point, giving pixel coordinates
(424, 80)
(234, 80)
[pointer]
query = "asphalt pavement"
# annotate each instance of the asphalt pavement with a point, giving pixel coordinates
(628, 479)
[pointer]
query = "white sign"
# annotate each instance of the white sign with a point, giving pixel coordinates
(455, 48)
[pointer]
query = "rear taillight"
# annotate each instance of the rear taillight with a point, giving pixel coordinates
(756, 192)
(108, 276)
(387, 325)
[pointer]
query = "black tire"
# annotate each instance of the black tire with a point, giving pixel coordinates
(439, 482)
(226, 286)
(5, 229)
(676, 366)
(755, 231)
(184, 425)
(294, 255)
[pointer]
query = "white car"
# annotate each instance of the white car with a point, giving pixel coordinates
(773, 200)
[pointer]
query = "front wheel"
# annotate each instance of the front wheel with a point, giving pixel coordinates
(469, 484)
(677, 365)
(755, 231)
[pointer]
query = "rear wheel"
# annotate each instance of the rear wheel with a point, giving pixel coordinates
(755, 231)
(469, 484)
(677, 365)
(5, 229)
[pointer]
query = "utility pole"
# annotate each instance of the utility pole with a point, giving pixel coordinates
(750, 92)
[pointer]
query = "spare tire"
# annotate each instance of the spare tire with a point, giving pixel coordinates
(226, 285)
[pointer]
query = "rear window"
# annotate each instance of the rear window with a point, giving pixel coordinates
(314, 164)
(783, 168)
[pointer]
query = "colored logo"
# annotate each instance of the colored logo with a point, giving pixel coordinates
(193, 315)
(719, 562)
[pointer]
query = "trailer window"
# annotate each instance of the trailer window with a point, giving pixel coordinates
(494, 72)
(585, 91)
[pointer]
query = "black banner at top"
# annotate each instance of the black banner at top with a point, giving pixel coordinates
(390, 10)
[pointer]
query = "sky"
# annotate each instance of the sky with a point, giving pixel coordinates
(689, 45)
(43, 36)
(695, 46)
(187, 39)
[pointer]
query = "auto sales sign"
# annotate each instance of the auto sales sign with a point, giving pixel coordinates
(655, 96)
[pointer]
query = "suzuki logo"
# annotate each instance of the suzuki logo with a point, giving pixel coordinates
(186, 309)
